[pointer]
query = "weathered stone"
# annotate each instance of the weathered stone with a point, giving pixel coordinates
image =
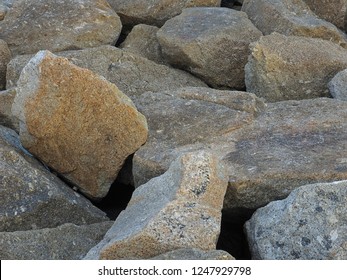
(310, 224)
(287, 68)
(5, 57)
(131, 73)
(338, 85)
(333, 11)
(194, 254)
(6, 117)
(33, 198)
(177, 123)
(186, 42)
(65, 242)
(293, 143)
(75, 121)
(291, 17)
(33, 25)
(142, 40)
(180, 209)
(155, 12)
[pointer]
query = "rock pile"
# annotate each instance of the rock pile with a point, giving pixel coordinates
(216, 112)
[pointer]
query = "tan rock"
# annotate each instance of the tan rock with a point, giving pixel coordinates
(180, 209)
(194, 254)
(286, 67)
(131, 73)
(33, 25)
(6, 117)
(291, 17)
(211, 43)
(154, 12)
(5, 57)
(76, 122)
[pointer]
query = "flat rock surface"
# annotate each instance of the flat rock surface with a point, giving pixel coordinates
(317, 216)
(33, 25)
(131, 73)
(286, 67)
(65, 242)
(186, 43)
(194, 254)
(75, 121)
(180, 209)
(32, 197)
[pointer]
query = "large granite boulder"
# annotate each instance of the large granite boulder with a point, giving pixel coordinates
(194, 254)
(180, 209)
(33, 25)
(32, 197)
(131, 73)
(76, 122)
(211, 43)
(5, 57)
(310, 224)
(183, 126)
(338, 85)
(291, 17)
(65, 242)
(286, 67)
(333, 11)
(154, 12)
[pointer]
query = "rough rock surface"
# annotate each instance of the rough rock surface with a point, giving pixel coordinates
(142, 40)
(286, 67)
(338, 85)
(33, 25)
(131, 73)
(180, 209)
(5, 57)
(333, 11)
(310, 224)
(75, 121)
(291, 17)
(33, 198)
(183, 125)
(154, 12)
(194, 254)
(186, 43)
(6, 117)
(65, 242)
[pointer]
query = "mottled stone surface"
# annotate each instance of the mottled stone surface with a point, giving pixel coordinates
(286, 67)
(154, 12)
(5, 57)
(33, 25)
(142, 40)
(183, 125)
(310, 224)
(180, 209)
(338, 85)
(131, 73)
(76, 122)
(186, 42)
(194, 254)
(65, 242)
(291, 17)
(32, 197)
(6, 117)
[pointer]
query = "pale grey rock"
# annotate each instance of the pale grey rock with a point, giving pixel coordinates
(33, 25)
(65, 242)
(76, 122)
(180, 209)
(310, 224)
(194, 254)
(154, 12)
(338, 85)
(6, 117)
(291, 18)
(32, 197)
(186, 42)
(131, 73)
(287, 67)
